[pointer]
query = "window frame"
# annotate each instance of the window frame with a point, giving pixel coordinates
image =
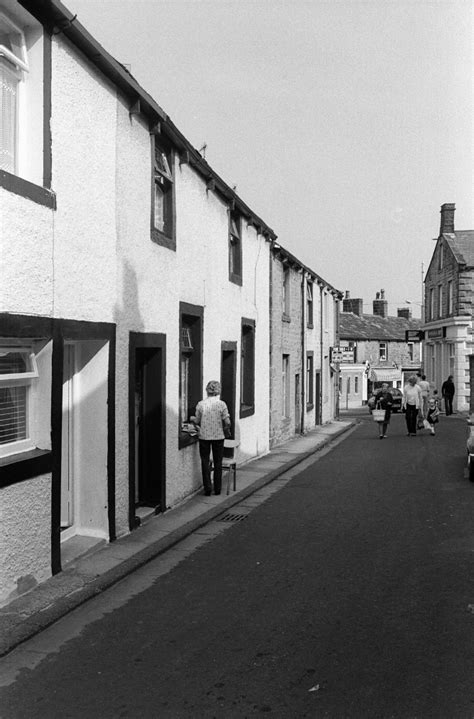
(163, 176)
(247, 368)
(383, 353)
(432, 303)
(285, 387)
(309, 380)
(450, 298)
(286, 303)
(191, 325)
(20, 380)
(411, 351)
(235, 246)
(440, 300)
(309, 304)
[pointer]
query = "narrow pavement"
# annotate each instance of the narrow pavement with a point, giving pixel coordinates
(343, 590)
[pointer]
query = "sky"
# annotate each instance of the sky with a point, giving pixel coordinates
(344, 124)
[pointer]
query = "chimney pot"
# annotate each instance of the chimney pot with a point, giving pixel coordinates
(447, 218)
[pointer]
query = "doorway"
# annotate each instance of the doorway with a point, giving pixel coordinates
(147, 423)
(228, 378)
(297, 404)
(317, 397)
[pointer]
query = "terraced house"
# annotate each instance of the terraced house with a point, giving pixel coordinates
(135, 275)
(449, 308)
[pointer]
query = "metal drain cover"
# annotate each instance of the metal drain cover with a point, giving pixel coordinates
(233, 517)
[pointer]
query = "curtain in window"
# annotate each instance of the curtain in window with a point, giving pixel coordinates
(8, 115)
(13, 418)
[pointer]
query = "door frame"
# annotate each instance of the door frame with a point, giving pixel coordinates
(142, 340)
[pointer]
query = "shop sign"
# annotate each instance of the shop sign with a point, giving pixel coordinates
(437, 333)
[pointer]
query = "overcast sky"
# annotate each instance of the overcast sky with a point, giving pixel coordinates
(344, 124)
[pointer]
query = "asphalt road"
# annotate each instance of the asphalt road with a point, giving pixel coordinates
(347, 594)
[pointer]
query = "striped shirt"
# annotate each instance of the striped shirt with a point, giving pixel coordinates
(211, 415)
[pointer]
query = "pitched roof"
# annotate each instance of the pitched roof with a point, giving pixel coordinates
(374, 327)
(461, 243)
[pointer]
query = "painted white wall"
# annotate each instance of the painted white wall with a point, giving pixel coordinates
(25, 536)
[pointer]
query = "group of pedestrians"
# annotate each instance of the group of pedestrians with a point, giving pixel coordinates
(421, 405)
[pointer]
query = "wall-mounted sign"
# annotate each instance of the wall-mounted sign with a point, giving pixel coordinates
(437, 333)
(336, 354)
(414, 335)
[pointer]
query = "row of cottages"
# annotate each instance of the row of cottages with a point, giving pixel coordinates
(135, 274)
(449, 309)
(375, 348)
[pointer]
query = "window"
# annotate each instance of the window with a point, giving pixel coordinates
(285, 386)
(432, 304)
(411, 350)
(247, 368)
(18, 369)
(309, 381)
(382, 351)
(235, 247)
(440, 256)
(162, 221)
(190, 368)
(286, 292)
(356, 385)
(13, 65)
(440, 300)
(309, 304)
(450, 308)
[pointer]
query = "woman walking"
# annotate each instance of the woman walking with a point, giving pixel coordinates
(411, 404)
(384, 400)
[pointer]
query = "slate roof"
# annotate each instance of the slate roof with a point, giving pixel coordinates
(374, 327)
(461, 243)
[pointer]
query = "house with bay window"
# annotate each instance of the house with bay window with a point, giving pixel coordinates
(449, 308)
(135, 274)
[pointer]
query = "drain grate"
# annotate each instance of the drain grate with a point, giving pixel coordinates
(233, 517)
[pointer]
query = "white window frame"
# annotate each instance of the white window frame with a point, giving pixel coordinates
(20, 379)
(383, 352)
(13, 65)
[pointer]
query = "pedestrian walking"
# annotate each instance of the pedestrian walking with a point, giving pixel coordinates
(411, 404)
(432, 415)
(384, 400)
(425, 391)
(213, 420)
(447, 390)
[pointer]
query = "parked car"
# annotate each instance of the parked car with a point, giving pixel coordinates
(397, 395)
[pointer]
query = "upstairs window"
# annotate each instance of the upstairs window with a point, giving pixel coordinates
(235, 247)
(309, 304)
(286, 293)
(432, 304)
(382, 351)
(13, 66)
(17, 371)
(163, 195)
(411, 351)
(440, 300)
(450, 307)
(440, 256)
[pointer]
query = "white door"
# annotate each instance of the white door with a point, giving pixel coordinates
(67, 444)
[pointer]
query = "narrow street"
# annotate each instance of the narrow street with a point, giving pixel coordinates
(347, 594)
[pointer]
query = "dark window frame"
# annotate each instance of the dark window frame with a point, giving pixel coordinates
(163, 174)
(235, 247)
(309, 304)
(247, 368)
(309, 380)
(191, 317)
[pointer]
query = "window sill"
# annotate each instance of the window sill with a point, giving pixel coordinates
(236, 279)
(163, 240)
(285, 317)
(25, 188)
(24, 465)
(186, 440)
(246, 411)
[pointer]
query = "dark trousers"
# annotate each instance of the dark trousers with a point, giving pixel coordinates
(217, 446)
(411, 414)
(448, 403)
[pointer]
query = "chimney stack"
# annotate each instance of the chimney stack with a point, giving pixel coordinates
(447, 218)
(352, 305)
(404, 312)
(380, 304)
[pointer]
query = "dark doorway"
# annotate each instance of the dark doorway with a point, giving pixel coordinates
(317, 397)
(297, 404)
(147, 430)
(228, 378)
